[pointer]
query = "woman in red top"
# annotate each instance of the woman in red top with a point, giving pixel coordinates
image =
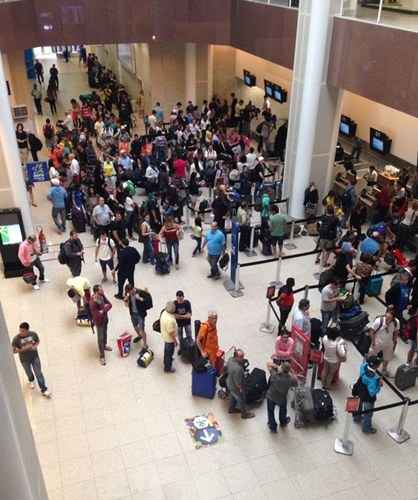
(285, 302)
(75, 112)
(170, 233)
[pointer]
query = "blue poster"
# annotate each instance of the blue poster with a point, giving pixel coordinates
(37, 171)
(234, 249)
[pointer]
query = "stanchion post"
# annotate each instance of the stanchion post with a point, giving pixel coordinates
(278, 270)
(187, 225)
(291, 245)
(267, 326)
(251, 252)
(306, 292)
(344, 445)
(398, 433)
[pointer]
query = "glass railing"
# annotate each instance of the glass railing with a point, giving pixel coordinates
(281, 3)
(395, 13)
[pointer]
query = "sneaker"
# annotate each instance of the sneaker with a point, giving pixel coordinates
(272, 429)
(286, 422)
(46, 394)
(45, 280)
(102, 361)
(32, 385)
(234, 410)
(36, 287)
(137, 339)
(171, 370)
(177, 267)
(117, 296)
(209, 276)
(372, 430)
(108, 348)
(104, 279)
(248, 414)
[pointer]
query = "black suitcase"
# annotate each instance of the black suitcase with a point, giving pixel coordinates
(79, 220)
(323, 406)
(255, 386)
(187, 349)
(353, 327)
(406, 377)
(266, 248)
(162, 263)
(363, 343)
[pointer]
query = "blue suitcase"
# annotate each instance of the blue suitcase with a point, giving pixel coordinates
(375, 286)
(204, 383)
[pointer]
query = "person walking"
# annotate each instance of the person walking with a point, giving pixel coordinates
(138, 301)
(235, 382)
(36, 93)
(35, 145)
(367, 388)
(57, 195)
(39, 71)
(53, 77)
(215, 241)
(74, 251)
(99, 309)
(168, 334)
(26, 343)
(183, 317)
(105, 253)
(335, 352)
(51, 94)
(128, 259)
(28, 255)
(170, 232)
(281, 380)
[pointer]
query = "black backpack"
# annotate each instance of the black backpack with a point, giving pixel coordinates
(62, 256)
(323, 405)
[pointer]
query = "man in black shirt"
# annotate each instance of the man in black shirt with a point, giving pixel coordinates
(118, 228)
(53, 73)
(128, 259)
(74, 251)
(220, 207)
(183, 316)
(25, 343)
(39, 70)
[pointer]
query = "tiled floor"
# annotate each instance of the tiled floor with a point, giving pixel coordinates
(117, 432)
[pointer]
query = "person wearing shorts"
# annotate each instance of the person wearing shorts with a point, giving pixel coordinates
(105, 251)
(138, 301)
(278, 230)
(385, 331)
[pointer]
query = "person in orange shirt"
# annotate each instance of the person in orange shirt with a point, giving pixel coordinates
(207, 338)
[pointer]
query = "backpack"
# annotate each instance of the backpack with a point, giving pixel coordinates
(390, 295)
(327, 229)
(346, 199)
(48, 131)
(62, 256)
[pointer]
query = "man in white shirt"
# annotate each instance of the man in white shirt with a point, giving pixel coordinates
(74, 165)
(329, 301)
(301, 317)
(151, 174)
(251, 159)
(152, 119)
(384, 333)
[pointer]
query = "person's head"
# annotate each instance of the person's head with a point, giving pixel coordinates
(390, 314)
(198, 221)
(304, 304)
(23, 328)
(285, 367)
(330, 210)
(118, 216)
(347, 248)
(334, 283)
(374, 362)
(31, 238)
(372, 168)
(212, 317)
(239, 355)
(125, 242)
(252, 150)
(97, 290)
(130, 289)
(404, 278)
(101, 201)
(73, 234)
(290, 283)
(170, 307)
(214, 227)
(180, 296)
(19, 127)
(333, 333)
(274, 209)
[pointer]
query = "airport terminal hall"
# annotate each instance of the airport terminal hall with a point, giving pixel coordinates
(208, 249)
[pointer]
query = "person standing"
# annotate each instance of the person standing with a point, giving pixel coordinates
(207, 338)
(53, 77)
(39, 70)
(281, 380)
(138, 301)
(74, 251)
(285, 301)
(170, 233)
(183, 316)
(168, 334)
(51, 93)
(283, 348)
(215, 240)
(367, 388)
(145, 237)
(35, 145)
(36, 93)
(57, 195)
(329, 301)
(28, 254)
(335, 352)
(301, 317)
(128, 259)
(105, 253)
(22, 143)
(278, 223)
(102, 216)
(235, 382)
(384, 333)
(99, 308)
(25, 343)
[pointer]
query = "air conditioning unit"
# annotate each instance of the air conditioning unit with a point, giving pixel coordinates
(20, 112)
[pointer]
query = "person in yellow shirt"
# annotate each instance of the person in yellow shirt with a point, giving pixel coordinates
(79, 290)
(109, 172)
(168, 327)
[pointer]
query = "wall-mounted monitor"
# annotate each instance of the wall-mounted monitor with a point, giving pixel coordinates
(348, 127)
(12, 233)
(268, 88)
(279, 94)
(249, 79)
(379, 141)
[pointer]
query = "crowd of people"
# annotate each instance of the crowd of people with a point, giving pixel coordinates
(97, 164)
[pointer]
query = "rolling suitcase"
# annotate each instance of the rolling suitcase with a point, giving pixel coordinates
(303, 404)
(162, 263)
(323, 407)
(352, 328)
(255, 386)
(145, 358)
(406, 377)
(204, 383)
(363, 343)
(374, 287)
(187, 349)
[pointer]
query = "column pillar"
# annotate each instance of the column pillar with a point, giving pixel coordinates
(20, 86)
(20, 472)
(190, 72)
(315, 106)
(12, 183)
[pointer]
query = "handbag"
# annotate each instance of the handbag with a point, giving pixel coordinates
(156, 326)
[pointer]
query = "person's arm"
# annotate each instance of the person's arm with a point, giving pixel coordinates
(173, 333)
(96, 253)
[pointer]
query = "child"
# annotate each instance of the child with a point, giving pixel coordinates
(197, 235)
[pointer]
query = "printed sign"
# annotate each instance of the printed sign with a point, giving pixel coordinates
(352, 405)
(204, 429)
(37, 171)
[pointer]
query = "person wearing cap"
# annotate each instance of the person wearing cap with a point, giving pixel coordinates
(183, 316)
(57, 195)
(367, 388)
(168, 327)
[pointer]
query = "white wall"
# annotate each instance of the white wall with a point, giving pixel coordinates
(400, 127)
